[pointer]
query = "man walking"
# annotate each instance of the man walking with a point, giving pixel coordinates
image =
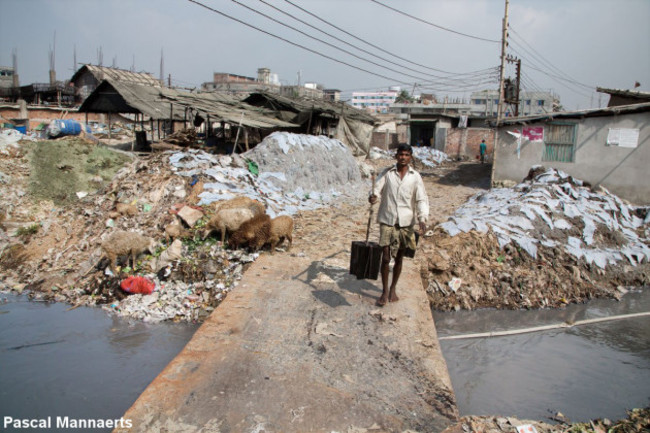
(403, 202)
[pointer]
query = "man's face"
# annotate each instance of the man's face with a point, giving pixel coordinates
(403, 158)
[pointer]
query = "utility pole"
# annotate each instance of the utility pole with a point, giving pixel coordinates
(511, 95)
(504, 44)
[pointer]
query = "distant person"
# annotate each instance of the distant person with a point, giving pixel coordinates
(403, 202)
(483, 150)
(419, 143)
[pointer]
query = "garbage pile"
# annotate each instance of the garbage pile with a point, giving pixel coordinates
(61, 259)
(296, 172)
(427, 156)
(507, 246)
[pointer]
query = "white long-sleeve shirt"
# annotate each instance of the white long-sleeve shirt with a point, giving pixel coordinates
(401, 198)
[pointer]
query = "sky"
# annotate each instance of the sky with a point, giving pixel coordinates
(450, 48)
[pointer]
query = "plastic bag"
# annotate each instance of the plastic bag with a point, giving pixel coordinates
(139, 285)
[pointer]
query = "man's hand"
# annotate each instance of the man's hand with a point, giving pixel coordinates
(423, 227)
(372, 199)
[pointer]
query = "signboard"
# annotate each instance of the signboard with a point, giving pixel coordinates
(623, 137)
(534, 133)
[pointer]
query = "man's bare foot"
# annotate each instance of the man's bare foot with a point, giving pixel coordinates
(393, 298)
(381, 301)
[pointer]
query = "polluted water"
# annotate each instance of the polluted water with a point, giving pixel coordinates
(588, 371)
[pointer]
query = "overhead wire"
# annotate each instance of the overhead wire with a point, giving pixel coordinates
(324, 42)
(366, 42)
(568, 82)
(294, 43)
(450, 79)
(434, 25)
(548, 63)
(441, 81)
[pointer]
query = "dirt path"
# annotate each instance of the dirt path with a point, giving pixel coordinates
(328, 232)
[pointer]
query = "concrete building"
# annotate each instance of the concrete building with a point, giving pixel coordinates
(241, 85)
(486, 102)
(607, 147)
(332, 94)
(375, 102)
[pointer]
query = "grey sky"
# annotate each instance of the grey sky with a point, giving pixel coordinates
(588, 43)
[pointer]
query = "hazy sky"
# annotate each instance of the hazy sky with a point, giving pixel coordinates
(566, 46)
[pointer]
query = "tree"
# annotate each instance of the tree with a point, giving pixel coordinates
(403, 98)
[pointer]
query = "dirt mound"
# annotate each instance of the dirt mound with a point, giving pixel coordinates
(507, 247)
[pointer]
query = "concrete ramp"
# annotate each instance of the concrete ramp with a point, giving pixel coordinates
(299, 346)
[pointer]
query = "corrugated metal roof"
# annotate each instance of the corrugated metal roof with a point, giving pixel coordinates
(305, 105)
(163, 103)
(595, 112)
(625, 93)
(102, 72)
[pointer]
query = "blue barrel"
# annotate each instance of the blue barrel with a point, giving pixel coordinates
(61, 127)
(22, 129)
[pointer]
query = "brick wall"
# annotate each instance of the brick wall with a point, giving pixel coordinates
(45, 115)
(465, 142)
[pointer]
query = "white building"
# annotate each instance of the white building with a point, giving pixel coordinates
(486, 103)
(375, 102)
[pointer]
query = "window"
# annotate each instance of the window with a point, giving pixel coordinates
(540, 102)
(560, 142)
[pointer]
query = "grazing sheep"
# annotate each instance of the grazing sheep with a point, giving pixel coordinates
(281, 229)
(227, 220)
(126, 209)
(123, 243)
(175, 230)
(230, 214)
(252, 233)
(256, 207)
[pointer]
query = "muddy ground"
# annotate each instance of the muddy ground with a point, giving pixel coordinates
(49, 238)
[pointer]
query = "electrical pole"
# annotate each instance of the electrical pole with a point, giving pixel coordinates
(504, 44)
(511, 96)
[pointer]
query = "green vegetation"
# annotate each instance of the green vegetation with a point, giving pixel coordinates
(28, 230)
(61, 168)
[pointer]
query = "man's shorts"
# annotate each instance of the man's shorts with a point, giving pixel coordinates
(396, 237)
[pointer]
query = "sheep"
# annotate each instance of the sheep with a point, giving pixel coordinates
(123, 209)
(281, 229)
(230, 214)
(227, 220)
(252, 232)
(122, 243)
(175, 230)
(241, 201)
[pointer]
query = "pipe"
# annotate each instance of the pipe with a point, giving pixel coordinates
(543, 328)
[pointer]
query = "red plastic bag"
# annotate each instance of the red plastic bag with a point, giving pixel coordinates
(138, 285)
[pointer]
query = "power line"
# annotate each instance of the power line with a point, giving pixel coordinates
(548, 63)
(366, 42)
(337, 47)
(565, 78)
(477, 73)
(322, 41)
(432, 24)
(352, 45)
(294, 43)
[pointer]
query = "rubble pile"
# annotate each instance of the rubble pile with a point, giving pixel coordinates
(638, 420)
(62, 259)
(506, 247)
(184, 138)
(427, 156)
(296, 172)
